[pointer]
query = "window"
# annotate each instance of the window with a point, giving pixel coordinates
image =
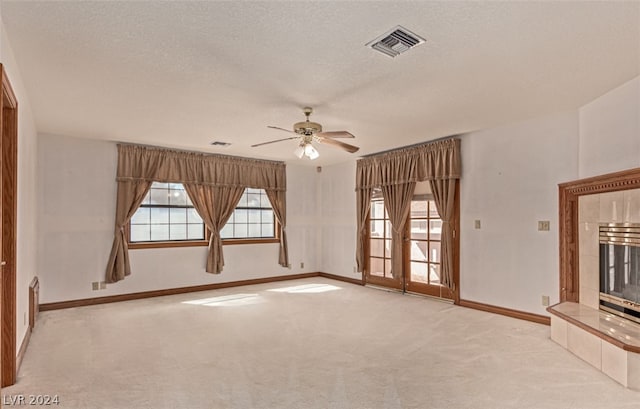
(253, 217)
(167, 218)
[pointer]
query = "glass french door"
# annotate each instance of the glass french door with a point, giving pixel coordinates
(421, 271)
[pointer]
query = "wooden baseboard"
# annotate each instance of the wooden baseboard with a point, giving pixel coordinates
(342, 278)
(171, 291)
(23, 349)
(522, 315)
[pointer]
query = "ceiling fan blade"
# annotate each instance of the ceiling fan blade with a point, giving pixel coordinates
(281, 129)
(338, 144)
(336, 134)
(277, 140)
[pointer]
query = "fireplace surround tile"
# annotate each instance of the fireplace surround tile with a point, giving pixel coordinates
(632, 206)
(612, 207)
(589, 209)
(584, 345)
(614, 362)
(589, 297)
(588, 239)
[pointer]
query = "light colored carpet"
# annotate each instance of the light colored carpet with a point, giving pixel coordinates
(322, 344)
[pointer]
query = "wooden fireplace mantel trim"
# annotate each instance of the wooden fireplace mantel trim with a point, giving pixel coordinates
(568, 222)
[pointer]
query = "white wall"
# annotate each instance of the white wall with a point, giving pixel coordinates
(27, 214)
(509, 182)
(338, 216)
(610, 131)
(77, 209)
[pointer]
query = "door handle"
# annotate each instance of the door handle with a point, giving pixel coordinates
(3, 263)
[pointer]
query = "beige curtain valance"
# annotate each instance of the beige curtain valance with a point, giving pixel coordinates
(431, 161)
(148, 163)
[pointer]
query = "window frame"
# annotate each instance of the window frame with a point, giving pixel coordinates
(201, 243)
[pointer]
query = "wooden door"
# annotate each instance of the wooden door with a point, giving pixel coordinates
(8, 224)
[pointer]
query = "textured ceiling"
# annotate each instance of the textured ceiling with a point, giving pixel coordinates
(183, 74)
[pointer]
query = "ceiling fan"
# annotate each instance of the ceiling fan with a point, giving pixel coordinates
(309, 132)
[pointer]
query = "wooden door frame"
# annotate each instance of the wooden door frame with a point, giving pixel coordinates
(568, 194)
(9, 186)
(455, 292)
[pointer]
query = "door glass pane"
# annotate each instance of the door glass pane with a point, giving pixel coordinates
(433, 211)
(387, 268)
(435, 229)
(377, 247)
(377, 210)
(419, 229)
(387, 248)
(434, 274)
(418, 250)
(434, 251)
(418, 209)
(377, 228)
(419, 272)
(376, 267)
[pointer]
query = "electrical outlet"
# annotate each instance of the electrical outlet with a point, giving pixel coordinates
(543, 225)
(301, 264)
(477, 224)
(95, 286)
(103, 285)
(545, 300)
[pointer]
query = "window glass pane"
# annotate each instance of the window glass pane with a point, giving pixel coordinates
(147, 199)
(227, 231)
(193, 216)
(434, 251)
(159, 185)
(254, 216)
(177, 197)
(254, 230)
(377, 247)
(267, 230)
(159, 215)
(140, 232)
(264, 201)
(240, 230)
(243, 200)
(159, 196)
(419, 229)
(240, 216)
(175, 186)
(178, 232)
(159, 232)
(253, 199)
(267, 216)
(178, 215)
(141, 216)
(195, 231)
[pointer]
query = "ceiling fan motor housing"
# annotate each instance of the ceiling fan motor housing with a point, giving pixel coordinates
(307, 128)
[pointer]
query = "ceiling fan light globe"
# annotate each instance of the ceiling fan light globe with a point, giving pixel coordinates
(299, 152)
(312, 153)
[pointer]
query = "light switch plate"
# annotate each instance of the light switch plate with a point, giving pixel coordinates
(543, 225)
(477, 224)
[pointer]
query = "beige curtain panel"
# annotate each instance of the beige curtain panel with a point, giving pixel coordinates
(139, 166)
(438, 162)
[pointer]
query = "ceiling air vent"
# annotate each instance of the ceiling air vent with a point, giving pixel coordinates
(396, 41)
(218, 143)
